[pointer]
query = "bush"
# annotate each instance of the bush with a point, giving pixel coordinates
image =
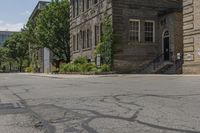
(105, 68)
(54, 69)
(70, 68)
(80, 60)
(88, 67)
(29, 69)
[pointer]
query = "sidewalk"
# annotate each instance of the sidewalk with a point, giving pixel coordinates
(65, 76)
(62, 76)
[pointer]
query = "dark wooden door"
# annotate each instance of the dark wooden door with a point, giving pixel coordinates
(166, 49)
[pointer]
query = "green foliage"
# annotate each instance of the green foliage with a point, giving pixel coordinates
(52, 28)
(3, 53)
(80, 60)
(104, 48)
(80, 64)
(17, 49)
(70, 67)
(105, 68)
(28, 69)
(88, 67)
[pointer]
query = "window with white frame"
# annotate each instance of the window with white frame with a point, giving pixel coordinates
(149, 31)
(134, 32)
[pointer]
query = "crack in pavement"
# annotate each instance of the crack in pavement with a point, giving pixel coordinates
(166, 128)
(85, 124)
(49, 128)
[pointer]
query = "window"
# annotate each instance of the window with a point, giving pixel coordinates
(77, 7)
(88, 4)
(73, 9)
(83, 5)
(84, 39)
(88, 39)
(77, 42)
(149, 31)
(134, 33)
(95, 1)
(97, 34)
(74, 43)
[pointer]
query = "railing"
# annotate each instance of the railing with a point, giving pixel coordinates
(177, 65)
(156, 63)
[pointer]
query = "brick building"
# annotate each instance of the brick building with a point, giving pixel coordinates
(147, 33)
(191, 28)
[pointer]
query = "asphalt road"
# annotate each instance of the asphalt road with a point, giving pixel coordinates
(110, 104)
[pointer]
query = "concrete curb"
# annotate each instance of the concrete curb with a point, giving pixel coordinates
(65, 76)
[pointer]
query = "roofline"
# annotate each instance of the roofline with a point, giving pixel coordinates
(9, 31)
(36, 8)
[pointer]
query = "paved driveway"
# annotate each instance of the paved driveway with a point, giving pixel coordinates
(99, 104)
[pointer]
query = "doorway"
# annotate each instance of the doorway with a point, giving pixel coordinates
(166, 48)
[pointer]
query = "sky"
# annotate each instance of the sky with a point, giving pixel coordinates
(15, 13)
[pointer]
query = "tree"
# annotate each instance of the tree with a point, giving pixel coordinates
(52, 28)
(3, 52)
(17, 48)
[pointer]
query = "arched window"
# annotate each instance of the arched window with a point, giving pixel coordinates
(166, 34)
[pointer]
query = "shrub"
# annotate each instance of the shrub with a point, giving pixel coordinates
(80, 60)
(105, 68)
(70, 68)
(54, 69)
(28, 69)
(88, 67)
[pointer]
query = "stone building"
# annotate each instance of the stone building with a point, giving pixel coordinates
(147, 33)
(40, 58)
(191, 34)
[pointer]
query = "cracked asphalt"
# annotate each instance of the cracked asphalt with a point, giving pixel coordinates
(99, 104)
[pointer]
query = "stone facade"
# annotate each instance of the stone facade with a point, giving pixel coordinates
(87, 22)
(191, 28)
(138, 29)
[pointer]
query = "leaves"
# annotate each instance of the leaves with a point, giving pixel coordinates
(16, 48)
(52, 28)
(104, 48)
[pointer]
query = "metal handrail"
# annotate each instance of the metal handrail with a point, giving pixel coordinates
(156, 62)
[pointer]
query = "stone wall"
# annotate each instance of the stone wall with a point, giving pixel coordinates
(88, 20)
(130, 56)
(191, 27)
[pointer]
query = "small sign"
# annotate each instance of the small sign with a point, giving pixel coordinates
(188, 57)
(98, 60)
(178, 56)
(198, 51)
